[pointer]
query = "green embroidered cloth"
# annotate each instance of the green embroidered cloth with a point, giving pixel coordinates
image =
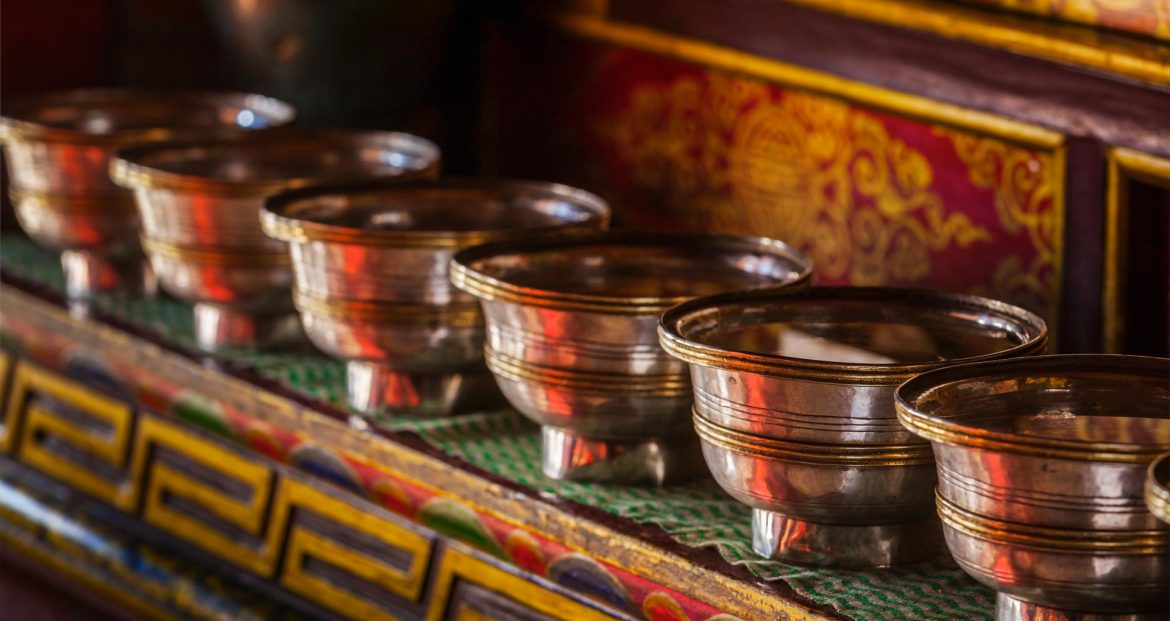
(505, 443)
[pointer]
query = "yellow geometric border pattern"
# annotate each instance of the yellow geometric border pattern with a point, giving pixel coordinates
(457, 564)
(602, 543)
(250, 516)
(36, 421)
(406, 583)
(1123, 165)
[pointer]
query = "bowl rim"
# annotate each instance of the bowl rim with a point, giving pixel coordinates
(129, 170)
(697, 353)
(17, 126)
(293, 229)
(490, 288)
(938, 429)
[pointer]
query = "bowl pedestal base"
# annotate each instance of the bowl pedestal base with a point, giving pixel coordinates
(221, 329)
(375, 390)
(654, 461)
(88, 274)
(1008, 608)
(785, 538)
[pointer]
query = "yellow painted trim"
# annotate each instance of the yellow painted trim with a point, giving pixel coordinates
(1061, 42)
(741, 598)
(408, 584)
(162, 479)
(459, 563)
(85, 580)
(7, 429)
(1123, 165)
(28, 380)
(1142, 165)
(735, 61)
(591, 539)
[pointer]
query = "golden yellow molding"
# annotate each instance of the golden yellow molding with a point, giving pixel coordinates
(1139, 17)
(1148, 61)
(741, 598)
(794, 76)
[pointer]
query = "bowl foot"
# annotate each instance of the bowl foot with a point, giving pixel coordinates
(377, 390)
(654, 461)
(220, 329)
(1008, 608)
(785, 538)
(88, 274)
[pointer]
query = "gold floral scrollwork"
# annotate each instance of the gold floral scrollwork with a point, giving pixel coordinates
(1025, 188)
(819, 173)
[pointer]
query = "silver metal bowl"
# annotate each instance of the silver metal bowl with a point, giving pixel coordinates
(200, 204)
(1042, 463)
(782, 376)
(857, 505)
(571, 339)
(370, 264)
(1158, 488)
(59, 147)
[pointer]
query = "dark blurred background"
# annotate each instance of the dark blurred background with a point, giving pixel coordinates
(410, 65)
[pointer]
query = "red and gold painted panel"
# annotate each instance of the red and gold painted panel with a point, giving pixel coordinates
(440, 510)
(876, 197)
(1146, 17)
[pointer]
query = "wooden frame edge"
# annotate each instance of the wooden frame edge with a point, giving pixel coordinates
(1123, 164)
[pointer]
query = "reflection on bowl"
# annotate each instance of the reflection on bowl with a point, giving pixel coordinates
(59, 146)
(1042, 464)
(200, 204)
(370, 264)
(798, 386)
(571, 339)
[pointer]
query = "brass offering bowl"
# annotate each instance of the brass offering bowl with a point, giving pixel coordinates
(59, 147)
(571, 340)
(1158, 488)
(794, 405)
(1041, 465)
(200, 207)
(370, 264)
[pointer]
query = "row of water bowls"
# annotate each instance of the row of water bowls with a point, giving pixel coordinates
(635, 352)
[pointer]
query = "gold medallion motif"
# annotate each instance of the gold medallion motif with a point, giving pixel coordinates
(814, 171)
